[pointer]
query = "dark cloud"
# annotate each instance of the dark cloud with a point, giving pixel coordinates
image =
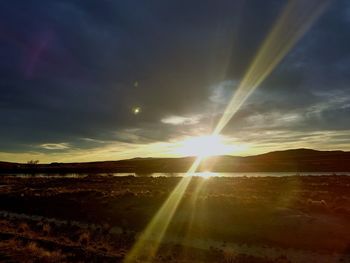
(68, 70)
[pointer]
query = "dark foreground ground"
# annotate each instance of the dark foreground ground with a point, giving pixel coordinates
(98, 218)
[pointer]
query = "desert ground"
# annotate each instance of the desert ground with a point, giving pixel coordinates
(96, 218)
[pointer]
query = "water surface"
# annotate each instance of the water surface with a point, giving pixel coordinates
(199, 174)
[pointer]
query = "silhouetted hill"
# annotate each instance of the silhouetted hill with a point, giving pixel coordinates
(295, 160)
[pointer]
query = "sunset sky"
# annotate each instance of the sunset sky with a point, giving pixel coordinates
(108, 80)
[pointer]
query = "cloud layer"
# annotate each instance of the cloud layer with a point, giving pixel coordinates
(71, 73)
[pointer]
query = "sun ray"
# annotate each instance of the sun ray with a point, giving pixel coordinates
(295, 20)
(149, 241)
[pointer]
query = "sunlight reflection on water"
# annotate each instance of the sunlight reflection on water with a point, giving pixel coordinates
(205, 175)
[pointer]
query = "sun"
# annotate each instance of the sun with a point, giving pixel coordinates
(204, 146)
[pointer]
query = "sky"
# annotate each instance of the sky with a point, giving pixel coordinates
(108, 80)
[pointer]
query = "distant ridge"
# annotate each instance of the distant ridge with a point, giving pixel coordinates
(293, 160)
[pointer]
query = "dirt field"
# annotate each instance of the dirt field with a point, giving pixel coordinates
(98, 218)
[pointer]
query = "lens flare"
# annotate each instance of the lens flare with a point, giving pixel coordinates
(294, 21)
(136, 110)
(148, 242)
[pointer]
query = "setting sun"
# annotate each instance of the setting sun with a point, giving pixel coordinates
(175, 131)
(204, 146)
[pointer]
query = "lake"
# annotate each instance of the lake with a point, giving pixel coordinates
(199, 174)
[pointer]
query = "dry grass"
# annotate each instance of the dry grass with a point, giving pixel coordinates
(99, 217)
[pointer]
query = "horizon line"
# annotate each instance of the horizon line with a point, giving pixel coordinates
(189, 156)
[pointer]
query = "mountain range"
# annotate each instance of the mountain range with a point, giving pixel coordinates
(294, 160)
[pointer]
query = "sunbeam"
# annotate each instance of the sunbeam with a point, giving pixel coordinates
(149, 241)
(294, 21)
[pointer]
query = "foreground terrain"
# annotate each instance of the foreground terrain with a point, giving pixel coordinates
(98, 218)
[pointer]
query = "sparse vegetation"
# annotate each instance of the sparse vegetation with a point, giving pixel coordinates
(33, 162)
(221, 219)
